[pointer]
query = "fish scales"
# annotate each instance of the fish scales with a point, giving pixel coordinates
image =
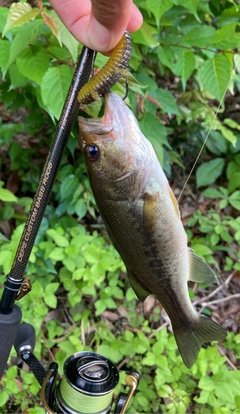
(143, 221)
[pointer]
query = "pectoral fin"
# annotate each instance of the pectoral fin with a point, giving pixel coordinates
(150, 212)
(139, 290)
(200, 271)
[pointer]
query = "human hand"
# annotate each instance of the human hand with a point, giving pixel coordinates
(98, 24)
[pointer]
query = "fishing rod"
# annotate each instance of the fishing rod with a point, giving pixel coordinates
(89, 379)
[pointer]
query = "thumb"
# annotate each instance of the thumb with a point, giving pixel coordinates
(108, 21)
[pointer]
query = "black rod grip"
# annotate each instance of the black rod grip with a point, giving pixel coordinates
(8, 329)
(26, 336)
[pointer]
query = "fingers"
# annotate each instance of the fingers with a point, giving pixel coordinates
(108, 21)
(98, 24)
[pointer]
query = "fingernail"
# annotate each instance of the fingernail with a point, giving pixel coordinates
(98, 36)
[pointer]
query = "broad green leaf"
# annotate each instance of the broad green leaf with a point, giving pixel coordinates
(57, 254)
(191, 5)
(166, 100)
(67, 39)
(60, 240)
(17, 79)
(226, 38)
(68, 186)
(215, 74)
(185, 66)
(231, 123)
(25, 36)
(155, 131)
(4, 11)
(199, 36)
(6, 195)
(166, 56)
(234, 200)
(213, 193)
(159, 7)
(226, 132)
(81, 208)
(4, 55)
(234, 182)
(208, 172)
(19, 14)
(145, 36)
(55, 85)
(51, 288)
(216, 143)
(33, 63)
(53, 26)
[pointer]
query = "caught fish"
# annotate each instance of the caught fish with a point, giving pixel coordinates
(142, 218)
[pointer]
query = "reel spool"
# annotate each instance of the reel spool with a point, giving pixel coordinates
(87, 385)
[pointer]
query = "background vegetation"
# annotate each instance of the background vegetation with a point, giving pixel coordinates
(185, 58)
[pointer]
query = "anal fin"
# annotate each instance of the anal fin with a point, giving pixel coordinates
(200, 271)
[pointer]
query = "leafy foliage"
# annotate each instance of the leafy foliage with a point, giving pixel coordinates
(184, 60)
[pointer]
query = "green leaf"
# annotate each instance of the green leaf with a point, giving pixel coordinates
(199, 36)
(208, 172)
(234, 200)
(201, 249)
(145, 35)
(55, 85)
(60, 240)
(158, 7)
(213, 193)
(6, 195)
(191, 5)
(25, 36)
(216, 143)
(68, 186)
(19, 14)
(185, 66)
(226, 38)
(81, 208)
(67, 39)
(57, 254)
(4, 55)
(51, 288)
(215, 74)
(4, 11)
(17, 79)
(206, 383)
(166, 56)
(166, 100)
(234, 182)
(155, 132)
(53, 26)
(33, 63)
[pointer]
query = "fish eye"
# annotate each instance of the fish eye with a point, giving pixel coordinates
(92, 152)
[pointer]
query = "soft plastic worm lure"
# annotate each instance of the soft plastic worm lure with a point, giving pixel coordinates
(114, 69)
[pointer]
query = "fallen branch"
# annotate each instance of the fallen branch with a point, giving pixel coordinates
(214, 292)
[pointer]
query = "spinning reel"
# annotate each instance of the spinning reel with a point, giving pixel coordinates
(88, 383)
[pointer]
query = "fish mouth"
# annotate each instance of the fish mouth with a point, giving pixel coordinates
(114, 116)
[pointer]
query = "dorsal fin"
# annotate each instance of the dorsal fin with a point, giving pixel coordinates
(174, 201)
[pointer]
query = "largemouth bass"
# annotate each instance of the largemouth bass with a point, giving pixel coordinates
(141, 215)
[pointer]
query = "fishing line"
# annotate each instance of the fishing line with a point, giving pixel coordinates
(210, 129)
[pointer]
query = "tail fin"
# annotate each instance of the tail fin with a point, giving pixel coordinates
(190, 341)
